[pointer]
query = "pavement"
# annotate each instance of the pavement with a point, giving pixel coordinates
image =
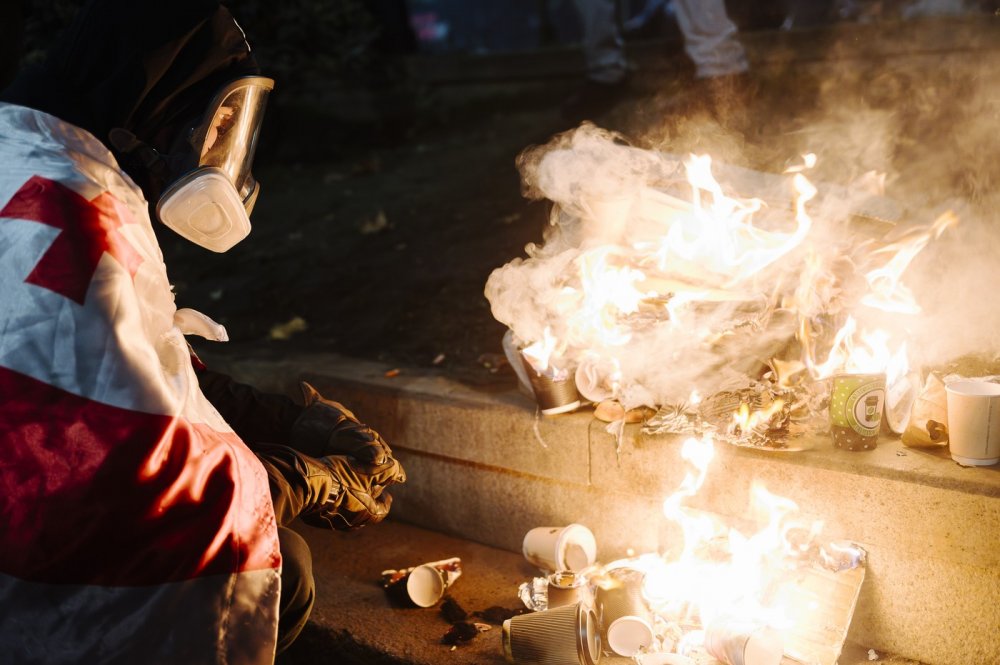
(354, 623)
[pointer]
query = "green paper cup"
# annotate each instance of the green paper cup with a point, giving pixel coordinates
(856, 404)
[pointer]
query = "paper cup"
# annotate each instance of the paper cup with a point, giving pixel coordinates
(424, 585)
(625, 617)
(563, 636)
(568, 588)
(554, 396)
(558, 548)
(974, 422)
(736, 642)
(856, 404)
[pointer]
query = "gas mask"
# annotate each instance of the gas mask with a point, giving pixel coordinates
(211, 204)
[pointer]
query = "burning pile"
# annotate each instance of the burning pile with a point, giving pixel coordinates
(656, 285)
(718, 595)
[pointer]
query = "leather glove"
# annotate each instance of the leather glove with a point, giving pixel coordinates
(326, 428)
(357, 495)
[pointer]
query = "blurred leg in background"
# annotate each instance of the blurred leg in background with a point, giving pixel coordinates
(710, 38)
(711, 41)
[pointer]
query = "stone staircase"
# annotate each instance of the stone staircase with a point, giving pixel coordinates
(483, 467)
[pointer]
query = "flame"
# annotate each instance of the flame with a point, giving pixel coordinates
(540, 353)
(607, 293)
(715, 233)
(721, 571)
(746, 420)
(863, 353)
(887, 292)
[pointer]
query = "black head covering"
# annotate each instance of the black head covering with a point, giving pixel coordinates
(145, 66)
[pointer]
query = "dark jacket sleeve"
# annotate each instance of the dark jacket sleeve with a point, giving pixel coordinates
(257, 417)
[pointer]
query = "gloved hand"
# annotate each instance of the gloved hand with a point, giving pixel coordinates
(357, 495)
(326, 428)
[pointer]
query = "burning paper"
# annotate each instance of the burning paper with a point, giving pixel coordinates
(657, 279)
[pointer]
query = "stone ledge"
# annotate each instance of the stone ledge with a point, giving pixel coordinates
(512, 415)
(483, 467)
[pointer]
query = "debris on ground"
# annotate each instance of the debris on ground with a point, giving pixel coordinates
(283, 331)
(452, 611)
(464, 631)
(497, 615)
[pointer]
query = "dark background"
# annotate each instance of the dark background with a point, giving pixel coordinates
(389, 191)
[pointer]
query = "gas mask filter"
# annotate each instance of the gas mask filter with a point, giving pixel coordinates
(211, 205)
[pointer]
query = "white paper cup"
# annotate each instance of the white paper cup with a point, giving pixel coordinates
(558, 548)
(736, 642)
(424, 585)
(974, 422)
(624, 614)
(629, 635)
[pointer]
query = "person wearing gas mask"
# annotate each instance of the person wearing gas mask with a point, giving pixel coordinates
(145, 499)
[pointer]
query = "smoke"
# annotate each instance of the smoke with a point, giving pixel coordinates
(650, 322)
(898, 142)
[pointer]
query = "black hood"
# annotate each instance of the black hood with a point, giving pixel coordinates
(142, 65)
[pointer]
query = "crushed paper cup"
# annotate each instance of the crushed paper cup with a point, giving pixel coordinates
(926, 426)
(422, 585)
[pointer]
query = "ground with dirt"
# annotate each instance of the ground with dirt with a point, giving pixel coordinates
(376, 243)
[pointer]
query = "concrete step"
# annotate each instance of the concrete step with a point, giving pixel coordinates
(483, 467)
(353, 623)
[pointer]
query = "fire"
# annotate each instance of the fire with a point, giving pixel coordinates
(746, 421)
(872, 352)
(540, 353)
(863, 353)
(887, 293)
(715, 233)
(657, 278)
(609, 292)
(720, 571)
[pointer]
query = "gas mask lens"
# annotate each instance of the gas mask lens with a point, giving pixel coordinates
(227, 138)
(211, 205)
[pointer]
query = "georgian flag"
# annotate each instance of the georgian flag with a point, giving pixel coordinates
(135, 526)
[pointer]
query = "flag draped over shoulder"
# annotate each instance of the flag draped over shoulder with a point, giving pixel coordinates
(135, 526)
